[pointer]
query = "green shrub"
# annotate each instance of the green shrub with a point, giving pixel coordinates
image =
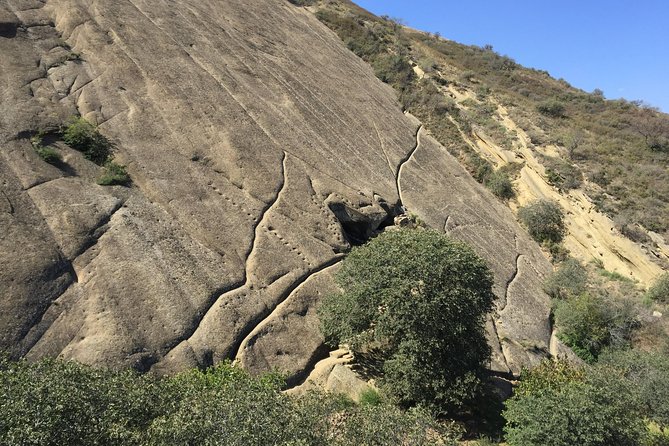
(548, 376)
(544, 220)
(648, 374)
(224, 405)
(63, 403)
(49, 155)
(114, 175)
(588, 324)
(394, 69)
(387, 425)
(570, 410)
(500, 185)
(421, 299)
(552, 108)
(568, 280)
(53, 403)
(659, 291)
(371, 397)
(83, 136)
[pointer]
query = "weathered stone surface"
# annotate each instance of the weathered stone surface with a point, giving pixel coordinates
(259, 149)
(441, 192)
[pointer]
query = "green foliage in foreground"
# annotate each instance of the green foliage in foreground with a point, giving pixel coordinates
(589, 323)
(575, 412)
(622, 400)
(64, 403)
(420, 299)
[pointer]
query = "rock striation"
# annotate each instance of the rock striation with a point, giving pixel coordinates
(260, 149)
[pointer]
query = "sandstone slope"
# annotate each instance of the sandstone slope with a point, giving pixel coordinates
(259, 149)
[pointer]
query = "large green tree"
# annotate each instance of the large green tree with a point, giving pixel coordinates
(420, 299)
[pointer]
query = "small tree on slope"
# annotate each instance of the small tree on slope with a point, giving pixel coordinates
(420, 299)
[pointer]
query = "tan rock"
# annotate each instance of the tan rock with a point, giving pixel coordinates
(259, 147)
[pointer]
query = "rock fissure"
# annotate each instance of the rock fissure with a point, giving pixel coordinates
(245, 282)
(508, 374)
(383, 148)
(400, 166)
(97, 232)
(446, 222)
(9, 203)
(254, 326)
(514, 274)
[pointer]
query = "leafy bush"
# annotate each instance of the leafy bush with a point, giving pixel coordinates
(500, 185)
(588, 324)
(568, 280)
(224, 405)
(544, 220)
(420, 298)
(548, 376)
(648, 374)
(566, 409)
(49, 155)
(659, 291)
(83, 136)
(552, 108)
(114, 174)
(371, 397)
(64, 403)
(386, 425)
(394, 69)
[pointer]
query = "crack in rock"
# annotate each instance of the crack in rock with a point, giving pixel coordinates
(221, 294)
(403, 161)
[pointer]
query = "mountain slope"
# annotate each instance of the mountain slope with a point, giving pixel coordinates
(260, 148)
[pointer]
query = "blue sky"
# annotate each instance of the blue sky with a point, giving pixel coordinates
(618, 46)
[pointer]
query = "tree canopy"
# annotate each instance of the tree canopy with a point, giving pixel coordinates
(420, 299)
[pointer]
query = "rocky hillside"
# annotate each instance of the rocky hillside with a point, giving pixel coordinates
(259, 149)
(605, 162)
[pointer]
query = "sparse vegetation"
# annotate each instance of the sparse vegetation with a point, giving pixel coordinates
(544, 220)
(49, 155)
(552, 108)
(562, 174)
(419, 299)
(114, 175)
(303, 2)
(569, 280)
(659, 291)
(83, 136)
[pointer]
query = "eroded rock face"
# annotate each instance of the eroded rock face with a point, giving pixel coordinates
(259, 148)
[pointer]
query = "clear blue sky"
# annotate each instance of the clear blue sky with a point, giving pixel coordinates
(618, 46)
